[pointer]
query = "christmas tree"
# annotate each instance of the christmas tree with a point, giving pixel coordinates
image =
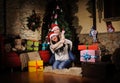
(58, 18)
(33, 21)
(56, 15)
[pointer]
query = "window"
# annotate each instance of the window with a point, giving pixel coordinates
(111, 10)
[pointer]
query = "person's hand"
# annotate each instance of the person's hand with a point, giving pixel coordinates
(63, 31)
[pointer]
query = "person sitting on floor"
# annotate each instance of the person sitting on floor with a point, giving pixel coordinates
(60, 49)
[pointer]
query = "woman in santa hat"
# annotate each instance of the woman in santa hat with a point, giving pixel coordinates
(60, 49)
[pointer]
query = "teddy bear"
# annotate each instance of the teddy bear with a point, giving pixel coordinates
(18, 45)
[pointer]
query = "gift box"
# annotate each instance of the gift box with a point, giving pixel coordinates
(45, 55)
(36, 43)
(29, 42)
(35, 48)
(32, 45)
(88, 47)
(89, 55)
(29, 48)
(93, 47)
(35, 66)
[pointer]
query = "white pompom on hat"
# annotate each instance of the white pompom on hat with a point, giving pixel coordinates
(54, 26)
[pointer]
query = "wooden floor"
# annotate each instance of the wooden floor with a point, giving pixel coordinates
(17, 76)
(40, 77)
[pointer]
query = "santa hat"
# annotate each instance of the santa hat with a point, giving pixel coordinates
(51, 34)
(54, 26)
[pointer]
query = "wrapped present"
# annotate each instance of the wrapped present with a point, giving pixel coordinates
(44, 46)
(93, 47)
(88, 47)
(89, 55)
(29, 48)
(45, 55)
(32, 45)
(36, 43)
(35, 66)
(36, 48)
(82, 47)
(29, 42)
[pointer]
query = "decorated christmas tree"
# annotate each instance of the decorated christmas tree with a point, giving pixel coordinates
(56, 15)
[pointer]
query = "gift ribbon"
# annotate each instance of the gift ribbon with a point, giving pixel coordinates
(87, 56)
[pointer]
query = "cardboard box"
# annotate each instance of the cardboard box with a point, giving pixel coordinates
(33, 56)
(35, 66)
(89, 55)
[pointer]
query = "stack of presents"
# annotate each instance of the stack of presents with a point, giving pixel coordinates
(89, 53)
(36, 57)
(91, 64)
(34, 63)
(31, 58)
(32, 45)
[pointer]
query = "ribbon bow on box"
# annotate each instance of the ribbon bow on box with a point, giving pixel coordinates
(87, 56)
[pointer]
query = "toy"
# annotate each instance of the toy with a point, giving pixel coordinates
(93, 33)
(18, 46)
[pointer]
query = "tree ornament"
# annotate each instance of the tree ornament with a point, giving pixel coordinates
(57, 7)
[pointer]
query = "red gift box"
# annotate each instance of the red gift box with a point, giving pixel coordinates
(89, 47)
(45, 55)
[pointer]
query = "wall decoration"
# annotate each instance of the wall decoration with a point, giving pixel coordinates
(33, 21)
(110, 27)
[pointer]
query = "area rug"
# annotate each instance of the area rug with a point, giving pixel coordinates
(76, 71)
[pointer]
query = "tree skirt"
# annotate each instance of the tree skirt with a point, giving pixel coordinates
(76, 71)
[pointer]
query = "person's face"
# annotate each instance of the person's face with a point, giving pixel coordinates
(54, 38)
(57, 30)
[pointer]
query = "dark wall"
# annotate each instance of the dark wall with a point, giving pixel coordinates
(111, 8)
(2, 16)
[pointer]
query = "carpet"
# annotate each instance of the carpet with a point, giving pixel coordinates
(76, 71)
